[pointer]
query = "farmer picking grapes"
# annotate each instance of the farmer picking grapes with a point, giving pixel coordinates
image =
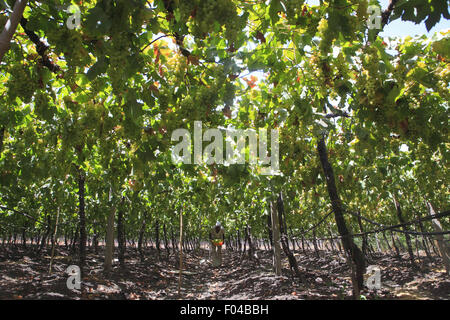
(216, 237)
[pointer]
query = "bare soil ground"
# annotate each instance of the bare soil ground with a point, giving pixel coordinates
(24, 275)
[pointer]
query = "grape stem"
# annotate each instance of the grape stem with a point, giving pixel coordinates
(151, 42)
(40, 48)
(387, 13)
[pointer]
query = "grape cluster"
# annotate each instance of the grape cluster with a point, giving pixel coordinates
(341, 81)
(180, 69)
(165, 98)
(119, 56)
(342, 65)
(209, 13)
(294, 10)
(187, 104)
(317, 65)
(371, 78)
(93, 115)
(29, 135)
(206, 97)
(233, 26)
(72, 134)
(139, 17)
(71, 105)
(229, 93)
(187, 9)
(326, 36)
(361, 12)
(70, 43)
(21, 83)
(42, 106)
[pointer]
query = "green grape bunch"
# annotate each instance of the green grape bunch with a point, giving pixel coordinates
(210, 13)
(42, 106)
(21, 83)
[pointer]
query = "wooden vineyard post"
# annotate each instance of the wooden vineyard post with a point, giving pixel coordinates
(181, 252)
(407, 238)
(141, 235)
(284, 238)
(82, 217)
(440, 241)
(109, 250)
(356, 257)
(53, 242)
(276, 240)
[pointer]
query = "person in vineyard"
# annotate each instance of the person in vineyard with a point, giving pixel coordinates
(216, 238)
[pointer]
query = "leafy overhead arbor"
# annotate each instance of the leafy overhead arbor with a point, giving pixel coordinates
(88, 112)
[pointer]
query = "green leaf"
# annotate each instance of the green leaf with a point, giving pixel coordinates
(98, 68)
(433, 18)
(275, 7)
(442, 47)
(393, 95)
(97, 21)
